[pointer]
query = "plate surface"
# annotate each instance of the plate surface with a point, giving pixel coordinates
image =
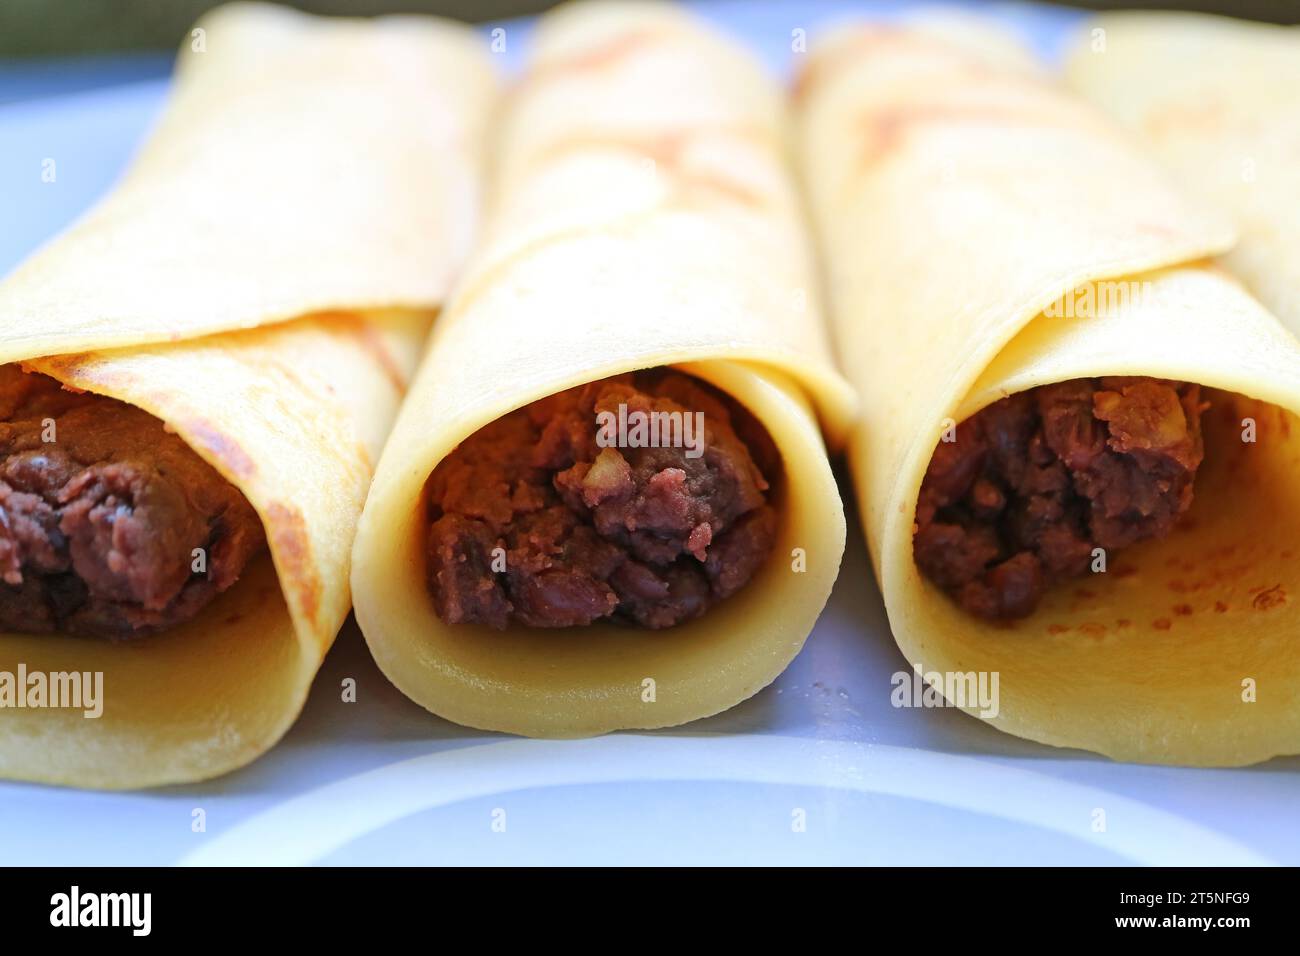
(818, 768)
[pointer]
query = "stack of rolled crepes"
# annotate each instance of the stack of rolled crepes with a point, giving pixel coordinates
(1078, 446)
(232, 328)
(534, 557)
(1216, 101)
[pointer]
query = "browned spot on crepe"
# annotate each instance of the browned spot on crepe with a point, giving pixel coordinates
(287, 532)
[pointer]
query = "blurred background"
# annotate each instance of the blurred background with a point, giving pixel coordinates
(51, 27)
(54, 47)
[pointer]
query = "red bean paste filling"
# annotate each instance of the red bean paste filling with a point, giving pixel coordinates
(1033, 483)
(646, 536)
(98, 527)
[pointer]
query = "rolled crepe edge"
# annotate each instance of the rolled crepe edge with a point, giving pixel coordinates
(248, 672)
(406, 638)
(1153, 730)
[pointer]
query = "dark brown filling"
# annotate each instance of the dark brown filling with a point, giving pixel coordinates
(1034, 483)
(538, 519)
(99, 527)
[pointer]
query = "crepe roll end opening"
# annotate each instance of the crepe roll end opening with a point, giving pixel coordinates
(111, 526)
(561, 682)
(1054, 506)
(643, 499)
(1182, 650)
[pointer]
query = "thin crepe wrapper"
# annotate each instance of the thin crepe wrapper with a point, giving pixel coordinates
(261, 281)
(642, 217)
(1215, 101)
(957, 201)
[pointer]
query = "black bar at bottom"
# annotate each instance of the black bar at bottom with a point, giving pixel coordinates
(333, 905)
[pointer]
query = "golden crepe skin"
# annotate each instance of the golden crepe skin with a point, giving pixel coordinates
(261, 281)
(960, 203)
(1215, 100)
(642, 216)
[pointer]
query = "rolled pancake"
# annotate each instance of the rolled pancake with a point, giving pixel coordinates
(261, 281)
(642, 217)
(960, 206)
(1215, 101)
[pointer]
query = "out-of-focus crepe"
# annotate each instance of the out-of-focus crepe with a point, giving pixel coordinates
(959, 204)
(642, 216)
(1216, 101)
(261, 281)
